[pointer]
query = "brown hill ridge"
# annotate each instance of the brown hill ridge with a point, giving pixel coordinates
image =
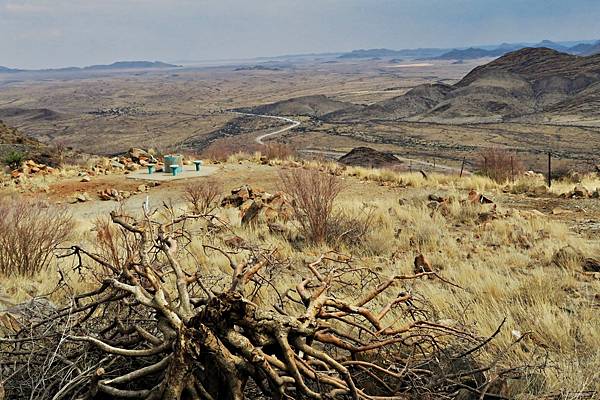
(528, 85)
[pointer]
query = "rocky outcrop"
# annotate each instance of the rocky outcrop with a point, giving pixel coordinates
(370, 158)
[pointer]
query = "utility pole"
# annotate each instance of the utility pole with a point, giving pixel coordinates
(549, 168)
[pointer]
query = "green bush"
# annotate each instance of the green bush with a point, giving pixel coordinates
(14, 159)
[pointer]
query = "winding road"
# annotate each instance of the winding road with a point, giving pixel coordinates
(260, 138)
(294, 123)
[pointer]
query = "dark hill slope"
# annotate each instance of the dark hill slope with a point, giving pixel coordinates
(536, 64)
(417, 101)
(313, 106)
(368, 157)
(11, 140)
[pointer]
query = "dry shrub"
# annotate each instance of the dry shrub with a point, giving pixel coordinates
(221, 151)
(203, 196)
(29, 233)
(277, 151)
(352, 229)
(314, 194)
(498, 164)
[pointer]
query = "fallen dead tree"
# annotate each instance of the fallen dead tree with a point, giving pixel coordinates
(156, 330)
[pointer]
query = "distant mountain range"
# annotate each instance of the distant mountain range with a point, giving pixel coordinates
(528, 85)
(583, 48)
(120, 65)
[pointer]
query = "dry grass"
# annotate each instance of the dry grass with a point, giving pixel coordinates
(506, 266)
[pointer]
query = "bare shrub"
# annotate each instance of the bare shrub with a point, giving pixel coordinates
(29, 233)
(314, 194)
(203, 196)
(152, 330)
(277, 151)
(499, 164)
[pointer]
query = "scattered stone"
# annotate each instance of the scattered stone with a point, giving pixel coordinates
(117, 165)
(109, 194)
(235, 242)
(591, 265)
(560, 211)
(82, 197)
(142, 188)
(475, 197)
(138, 154)
(438, 199)
(252, 201)
(581, 192)
(250, 213)
(86, 179)
(538, 190)
(422, 264)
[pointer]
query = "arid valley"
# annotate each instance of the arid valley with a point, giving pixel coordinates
(370, 225)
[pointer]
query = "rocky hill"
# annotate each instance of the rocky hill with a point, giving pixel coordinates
(313, 106)
(14, 142)
(368, 157)
(533, 84)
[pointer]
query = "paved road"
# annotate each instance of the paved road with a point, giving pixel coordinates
(260, 138)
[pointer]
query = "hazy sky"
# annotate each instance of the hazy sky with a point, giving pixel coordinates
(52, 33)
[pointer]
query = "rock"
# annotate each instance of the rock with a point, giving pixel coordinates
(235, 242)
(591, 265)
(560, 211)
(596, 194)
(132, 167)
(538, 190)
(436, 198)
(82, 197)
(117, 165)
(250, 214)
(422, 264)
(277, 229)
(475, 197)
(16, 174)
(135, 154)
(86, 179)
(580, 192)
(142, 188)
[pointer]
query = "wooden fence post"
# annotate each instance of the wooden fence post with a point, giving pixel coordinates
(462, 167)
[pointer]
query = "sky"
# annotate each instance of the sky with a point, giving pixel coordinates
(58, 33)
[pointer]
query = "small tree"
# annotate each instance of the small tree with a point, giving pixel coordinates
(29, 233)
(203, 196)
(499, 164)
(314, 194)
